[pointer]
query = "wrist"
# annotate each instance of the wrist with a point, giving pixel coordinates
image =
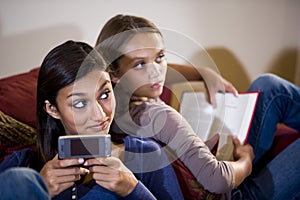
(130, 187)
(247, 163)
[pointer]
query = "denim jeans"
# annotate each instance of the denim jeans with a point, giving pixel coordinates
(22, 183)
(279, 180)
(278, 102)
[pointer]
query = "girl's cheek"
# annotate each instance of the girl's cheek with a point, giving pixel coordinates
(80, 120)
(109, 108)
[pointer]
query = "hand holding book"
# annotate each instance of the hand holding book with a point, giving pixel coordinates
(232, 116)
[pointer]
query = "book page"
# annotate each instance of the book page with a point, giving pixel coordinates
(232, 116)
(198, 113)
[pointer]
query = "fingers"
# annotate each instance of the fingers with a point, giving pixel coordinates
(57, 180)
(66, 162)
(94, 161)
(111, 162)
(236, 141)
(111, 174)
(230, 88)
(68, 171)
(242, 151)
(226, 87)
(108, 165)
(213, 89)
(212, 99)
(61, 174)
(57, 184)
(55, 189)
(103, 173)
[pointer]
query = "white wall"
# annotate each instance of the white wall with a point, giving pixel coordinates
(259, 35)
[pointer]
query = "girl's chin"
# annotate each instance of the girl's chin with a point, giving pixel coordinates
(156, 92)
(90, 133)
(97, 132)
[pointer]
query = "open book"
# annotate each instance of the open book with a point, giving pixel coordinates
(232, 116)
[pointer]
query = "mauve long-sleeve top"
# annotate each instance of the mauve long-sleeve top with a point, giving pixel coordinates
(153, 118)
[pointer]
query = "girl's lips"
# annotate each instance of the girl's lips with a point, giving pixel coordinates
(156, 85)
(100, 127)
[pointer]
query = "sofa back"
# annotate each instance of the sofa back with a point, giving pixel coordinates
(18, 96)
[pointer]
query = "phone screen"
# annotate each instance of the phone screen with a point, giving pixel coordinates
(84, 147)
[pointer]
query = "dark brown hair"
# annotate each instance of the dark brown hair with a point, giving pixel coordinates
(60, 68)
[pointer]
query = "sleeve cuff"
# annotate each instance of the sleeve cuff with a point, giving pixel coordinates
(140, 192)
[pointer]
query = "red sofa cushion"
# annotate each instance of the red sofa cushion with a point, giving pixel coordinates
(18, 96)
(283, 137)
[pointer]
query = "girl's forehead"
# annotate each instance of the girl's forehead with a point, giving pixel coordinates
(143, 41)
(91, 80)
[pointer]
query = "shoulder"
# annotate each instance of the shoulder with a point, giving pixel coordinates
(150, 110)
(20, 158)
(148, 104)
(140, 144)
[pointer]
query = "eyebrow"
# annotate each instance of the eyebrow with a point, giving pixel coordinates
(142, 57)
(100, 88)
(104, 84)
(134, 59)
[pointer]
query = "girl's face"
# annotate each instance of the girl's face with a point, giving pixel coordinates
(86, 106)
(143, 66)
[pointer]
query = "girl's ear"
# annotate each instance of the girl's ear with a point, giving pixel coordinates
(114, 77)
(51, 110)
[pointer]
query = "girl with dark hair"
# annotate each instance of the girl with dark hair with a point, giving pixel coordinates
(75, 97)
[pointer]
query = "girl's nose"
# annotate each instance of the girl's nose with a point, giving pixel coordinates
(154, 70)
(97, 112)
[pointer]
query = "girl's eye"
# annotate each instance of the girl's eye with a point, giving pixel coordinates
(79, 104)
(104, 95)
(160, 57)
(139, 66)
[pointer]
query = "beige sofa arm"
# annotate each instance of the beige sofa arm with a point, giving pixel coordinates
(188, 86)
